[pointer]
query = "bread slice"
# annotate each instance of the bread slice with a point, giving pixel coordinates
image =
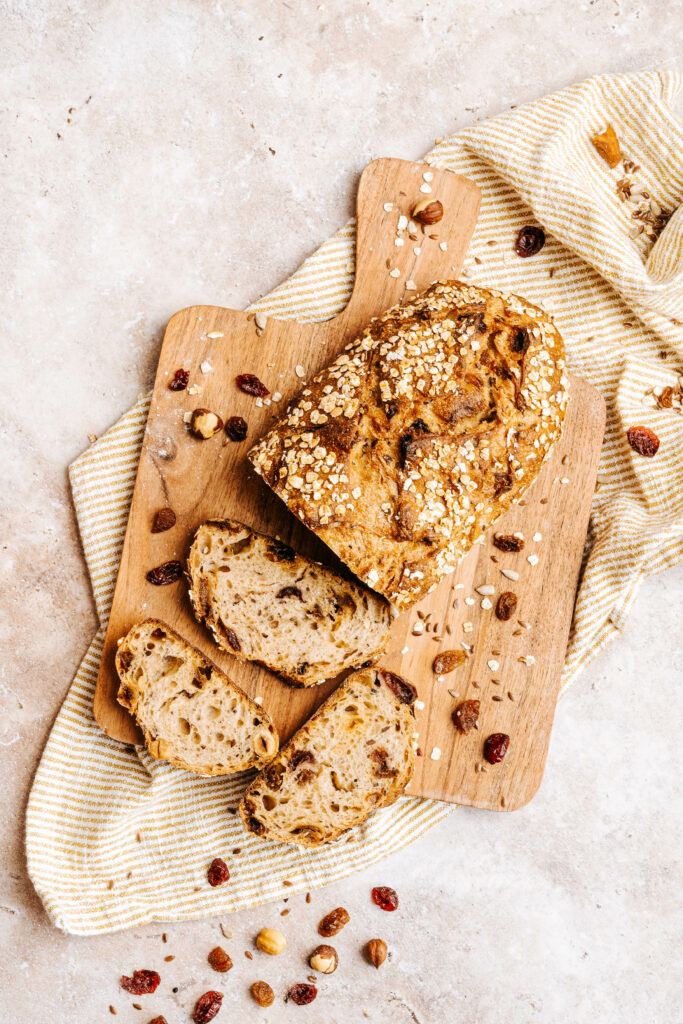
(354, 755)
(190, 713)
(263, 602)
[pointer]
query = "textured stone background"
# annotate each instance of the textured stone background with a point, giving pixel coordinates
(211, 146)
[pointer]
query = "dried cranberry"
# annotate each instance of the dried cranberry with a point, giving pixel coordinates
(333, 922)
(496, 747)
(466, 715)
(251, 385)
(168, 572)
(643, 440)
(163, 520)
(530, 240)
(142, 983)
(236, 428)
(401, 688)
(302, 994)
(505, 606)
(180, 380)
(385, 898)
(207, 1007)
(507, 542)
(218, 872)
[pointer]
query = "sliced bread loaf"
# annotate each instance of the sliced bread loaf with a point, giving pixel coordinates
(190, 713)
(354, 755)
(263, 602)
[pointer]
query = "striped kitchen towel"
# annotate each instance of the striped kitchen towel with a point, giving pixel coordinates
(114, 838)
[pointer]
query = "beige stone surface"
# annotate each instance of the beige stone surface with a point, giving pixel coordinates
(159, 154)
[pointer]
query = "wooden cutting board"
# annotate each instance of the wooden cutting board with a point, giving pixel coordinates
(210, 479)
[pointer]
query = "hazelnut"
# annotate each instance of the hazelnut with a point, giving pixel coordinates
(428, 211)
(204, 424)
(271, 941)
(376, 952)
(262, 993)
(324, 959)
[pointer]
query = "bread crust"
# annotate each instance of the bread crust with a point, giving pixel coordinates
(361, 739)
(405, 449)
(135, 689)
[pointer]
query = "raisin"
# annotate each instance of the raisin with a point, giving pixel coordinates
(380, 767)
(506, 605)
(125, 661)
(333, 922)
(289, 592)
(273, 775)
(231, 637)
(207, 1007)
(168, 572)
(529, 241)
(262, 993)
(666, 398)
(507, 542)
(141, 984)
(300, 757)
(180, 380)
(219, 960)
(302, 994)
(218, 872)
(403, 690)
(236, 428)
(520, 341)
(466, 715)
(163, 520)
(643, 440)
(251, 385)
(447, 662)
(159, 1020)
(496, 747)
(385, 897)
(391, 409)
(501, 482)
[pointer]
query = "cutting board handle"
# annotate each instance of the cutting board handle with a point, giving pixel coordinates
(399, 185)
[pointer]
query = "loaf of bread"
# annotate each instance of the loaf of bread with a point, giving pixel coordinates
(404, 450)
(190, 713)
(354, 755)
(264, 602)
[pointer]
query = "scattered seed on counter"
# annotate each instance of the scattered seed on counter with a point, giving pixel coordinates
(523, 624)
(564, 480)
(435, 754)
(395, 272)
(411, 286)
(467, 627)
(486, 590)
(404, 650)
(443, 246)
(419, 705)
(402, 223)
(511, 696)
(388, 207)
(493, 665)
(215, 334)
(510, 574)
(454, 694)
(486, 604)
(532, 559)
(469, 601)
(459, 586)
(424, 187)
(527, 659)
(536, 537)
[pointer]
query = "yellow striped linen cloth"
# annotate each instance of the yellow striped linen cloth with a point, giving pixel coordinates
(115, 839)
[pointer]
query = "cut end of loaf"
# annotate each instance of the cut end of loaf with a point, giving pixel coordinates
(264, 602)
(353, 756)
(191, 714)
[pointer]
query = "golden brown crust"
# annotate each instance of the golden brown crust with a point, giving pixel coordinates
(403, 451)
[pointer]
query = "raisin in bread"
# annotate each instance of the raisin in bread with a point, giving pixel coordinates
(354, 755)
(263, 602)
(190, 713)
(405, 449)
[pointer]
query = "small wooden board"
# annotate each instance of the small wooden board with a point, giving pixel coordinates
(202, 480)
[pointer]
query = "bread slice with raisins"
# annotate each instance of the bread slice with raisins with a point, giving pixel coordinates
(354, 755)
(190, 713)
(264, 602)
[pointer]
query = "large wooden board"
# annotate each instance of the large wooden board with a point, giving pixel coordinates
(203, 480)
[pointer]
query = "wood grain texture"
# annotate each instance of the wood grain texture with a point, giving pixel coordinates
(201, 480)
